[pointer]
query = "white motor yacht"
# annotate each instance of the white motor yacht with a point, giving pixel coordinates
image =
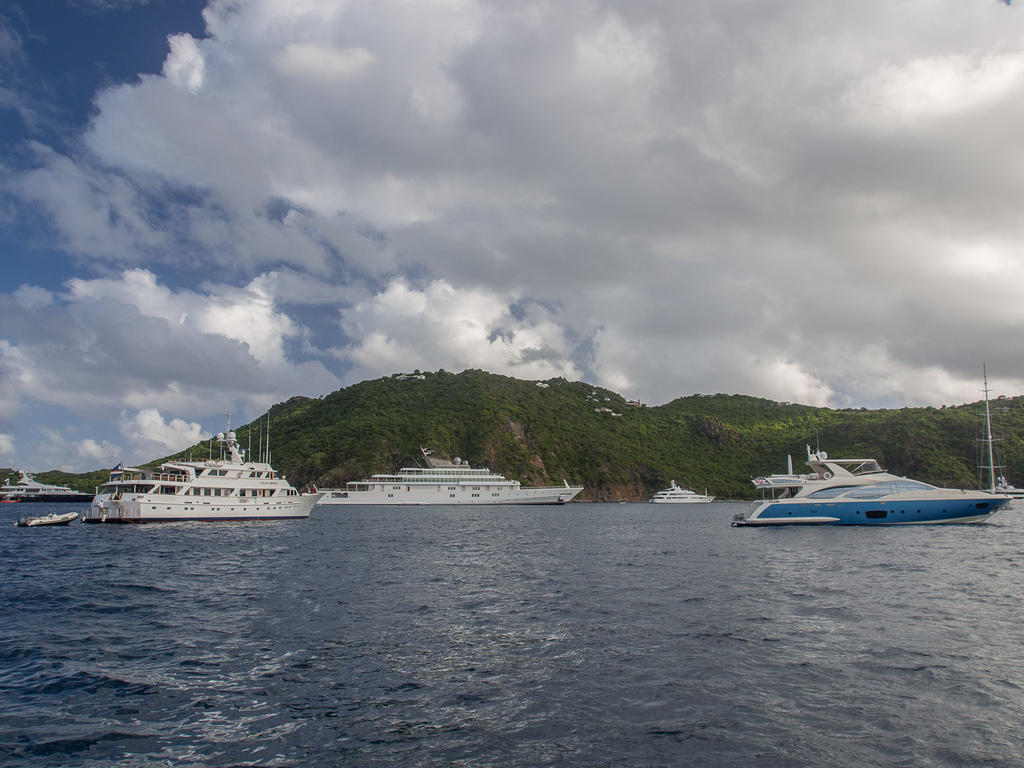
(30, 489)
(229, 488)
(676, 495)
(445, 481)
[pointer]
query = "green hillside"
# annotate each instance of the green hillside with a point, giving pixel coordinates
(540, 435)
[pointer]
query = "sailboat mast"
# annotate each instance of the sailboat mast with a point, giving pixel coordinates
(988, 436)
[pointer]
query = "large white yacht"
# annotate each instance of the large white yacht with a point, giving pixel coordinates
(443, 482)
(29, 489)
(228, 488)
(676, 495)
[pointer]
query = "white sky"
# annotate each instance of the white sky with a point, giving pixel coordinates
(806, 200)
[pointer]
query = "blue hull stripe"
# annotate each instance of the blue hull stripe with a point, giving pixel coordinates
(860, 512)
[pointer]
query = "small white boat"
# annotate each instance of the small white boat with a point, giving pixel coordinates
(1006, 489)
(676, 495)
(51, 519)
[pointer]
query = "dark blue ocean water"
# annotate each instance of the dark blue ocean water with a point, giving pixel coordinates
(583, 635)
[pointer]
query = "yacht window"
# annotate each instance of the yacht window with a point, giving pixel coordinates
(910, 485)
(875, 514)
(882, 489)
(830, 493)
(866, 468)
(870, 491)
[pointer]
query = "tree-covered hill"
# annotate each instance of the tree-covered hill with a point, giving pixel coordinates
(592, 436)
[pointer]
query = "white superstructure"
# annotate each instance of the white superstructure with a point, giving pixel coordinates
(676, 495)
(217, 489)
(445, 482)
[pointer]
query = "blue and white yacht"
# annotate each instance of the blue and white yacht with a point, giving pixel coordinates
(860, 492)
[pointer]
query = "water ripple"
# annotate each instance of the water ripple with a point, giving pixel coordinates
(613, 635)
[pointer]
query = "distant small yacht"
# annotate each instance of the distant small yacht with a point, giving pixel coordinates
(217, 489)
(1006, 489)
(444, 482)
(27, 489)
(676, 495)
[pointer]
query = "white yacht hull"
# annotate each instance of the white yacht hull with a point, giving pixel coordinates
(148, 508)
(694, 500)
(442, 496)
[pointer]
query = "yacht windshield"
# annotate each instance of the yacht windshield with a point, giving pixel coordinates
(865, 467)
(830, 493)
(884, 489)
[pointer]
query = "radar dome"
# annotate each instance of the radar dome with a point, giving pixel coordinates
(456, 460)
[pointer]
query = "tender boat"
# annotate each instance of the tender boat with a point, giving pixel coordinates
(860, 492)
(444, 482)
(51, 519)
(676, 495)
(229, 488)
(1004, 488)
(28, 489)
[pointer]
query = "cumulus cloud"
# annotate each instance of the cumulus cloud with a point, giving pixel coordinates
(58, 448)
(809, 203)
(247, 315)
(920, 91)
(6, 445)
(184, 65)
(33, 297)
(147, 430)
(309, 59)
(129, 348)
(402, 329)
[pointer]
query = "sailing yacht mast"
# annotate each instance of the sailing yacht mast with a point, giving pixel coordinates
(988, 436)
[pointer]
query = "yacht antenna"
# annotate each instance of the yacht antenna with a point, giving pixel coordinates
(261, 438)
(226, 431)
